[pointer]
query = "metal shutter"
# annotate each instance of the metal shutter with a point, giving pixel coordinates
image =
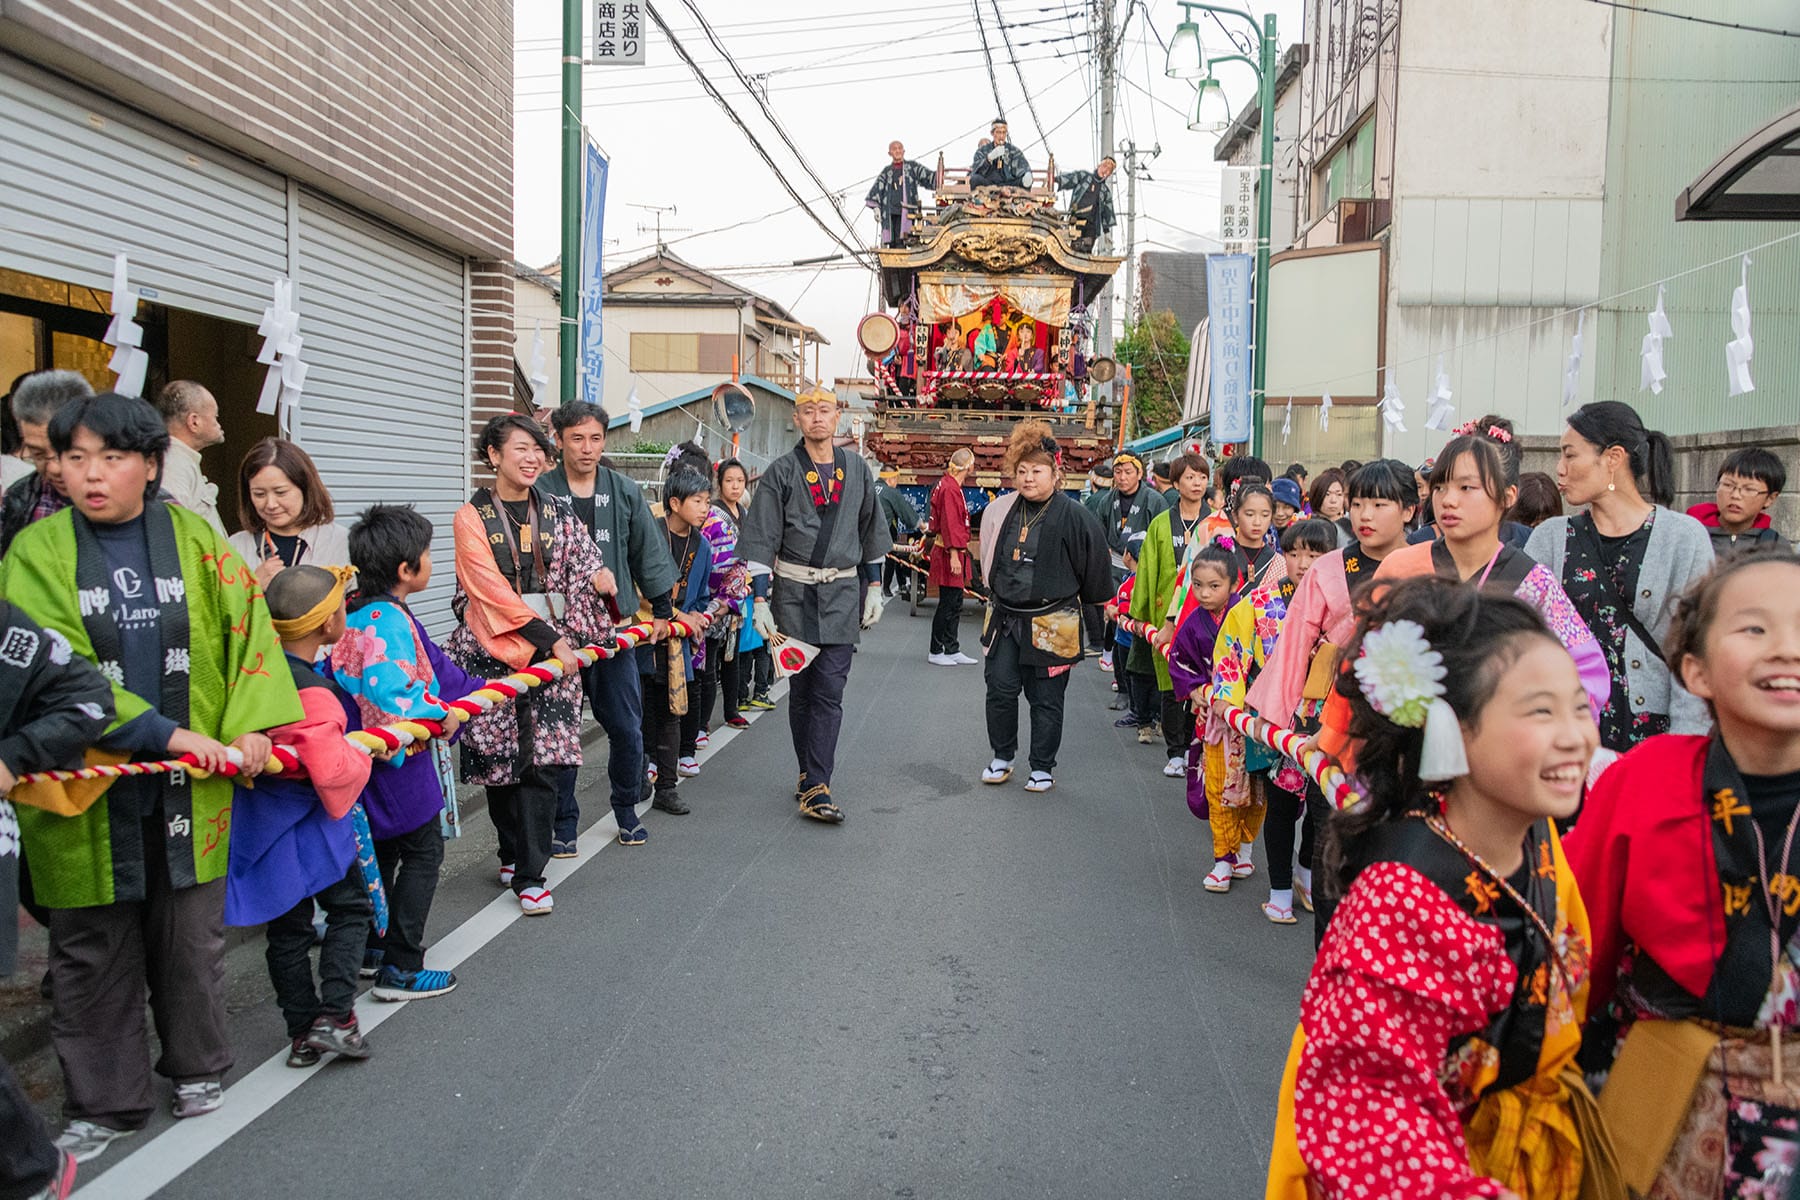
(385, 409)
(86, 179)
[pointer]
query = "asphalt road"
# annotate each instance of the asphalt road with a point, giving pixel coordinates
(964, 991)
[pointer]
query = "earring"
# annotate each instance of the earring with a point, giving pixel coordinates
(1611, 486)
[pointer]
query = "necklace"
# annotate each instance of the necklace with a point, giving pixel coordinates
(1442, 828)
(1026, 520)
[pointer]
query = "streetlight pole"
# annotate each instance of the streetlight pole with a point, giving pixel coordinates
(569, 339)
(1268, 50)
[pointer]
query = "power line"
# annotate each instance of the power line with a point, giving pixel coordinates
(1663, 12)
(1030, 105)
(745, 129)
(988, 56)
(780, 130)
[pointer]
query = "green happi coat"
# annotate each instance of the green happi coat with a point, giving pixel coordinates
(237, 682)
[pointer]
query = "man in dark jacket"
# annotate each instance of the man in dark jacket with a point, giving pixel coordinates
(1090, 202)
(53, 706)
(895, 193)
(999, 163)
(41, 493)
(903, 526)
(633, 548)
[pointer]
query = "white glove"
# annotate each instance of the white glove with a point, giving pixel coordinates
(871, 606)
(763, 618)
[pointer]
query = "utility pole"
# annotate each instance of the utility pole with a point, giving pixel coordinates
(1103, 43)
(1132, 169)
(569, 335)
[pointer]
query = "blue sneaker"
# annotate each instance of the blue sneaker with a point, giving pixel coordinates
(396, 984)
(372, 960)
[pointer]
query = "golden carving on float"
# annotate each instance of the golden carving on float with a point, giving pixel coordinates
(999, 250)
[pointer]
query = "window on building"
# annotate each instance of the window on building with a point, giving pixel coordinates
(683, 353)
(1349, 172)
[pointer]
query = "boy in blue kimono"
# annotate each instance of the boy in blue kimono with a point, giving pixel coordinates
(395, 672)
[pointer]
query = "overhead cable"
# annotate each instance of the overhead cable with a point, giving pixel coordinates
(756, 145)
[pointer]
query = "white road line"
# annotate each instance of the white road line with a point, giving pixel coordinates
(159, 1161)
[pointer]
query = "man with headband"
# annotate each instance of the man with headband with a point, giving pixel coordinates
(295, 833)
(816, 528)
(152, 596)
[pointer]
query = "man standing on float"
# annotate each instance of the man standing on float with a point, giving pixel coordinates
(815, 527)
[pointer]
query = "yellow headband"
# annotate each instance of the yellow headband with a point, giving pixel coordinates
(1126, 456)
(316, 617)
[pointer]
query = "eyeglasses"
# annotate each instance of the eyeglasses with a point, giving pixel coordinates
(1748, 491)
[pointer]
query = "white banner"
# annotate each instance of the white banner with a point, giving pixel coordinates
(618, 33)
(1237, 209)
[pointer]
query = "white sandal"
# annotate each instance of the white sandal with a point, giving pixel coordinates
(1040, 781)
(998, 771)
(1219, 878)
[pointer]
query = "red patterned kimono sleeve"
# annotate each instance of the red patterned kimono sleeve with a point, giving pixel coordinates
(1402, 972)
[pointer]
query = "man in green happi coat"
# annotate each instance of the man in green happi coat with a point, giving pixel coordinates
(134, 882)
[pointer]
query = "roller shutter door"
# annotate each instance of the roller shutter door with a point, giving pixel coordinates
(85, 179)
(384, 413)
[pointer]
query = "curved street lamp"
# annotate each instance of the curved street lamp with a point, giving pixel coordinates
(1212, 114)
(1186, 60)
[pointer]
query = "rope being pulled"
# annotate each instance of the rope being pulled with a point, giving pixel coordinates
(398, 734)
(1339, 788)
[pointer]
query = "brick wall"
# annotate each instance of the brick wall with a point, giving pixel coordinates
(402, 108)
(1698, 457)
(490, 346)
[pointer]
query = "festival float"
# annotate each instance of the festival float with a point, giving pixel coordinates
(991, 300)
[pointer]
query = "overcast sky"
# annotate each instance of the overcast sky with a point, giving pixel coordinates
(844, 78)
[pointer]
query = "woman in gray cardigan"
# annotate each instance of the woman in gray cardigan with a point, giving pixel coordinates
(1624, 562)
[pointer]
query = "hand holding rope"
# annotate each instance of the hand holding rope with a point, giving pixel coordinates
(397, 735)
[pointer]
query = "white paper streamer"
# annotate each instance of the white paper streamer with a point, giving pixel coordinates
(1572, 372)
(285, 381)
(1324, 412)
(1287, 423)
(1392, 408)
(1651, 375)
(125, 335)
(1441, 408)
(538, 375)
(635, 407)
(1741, 347)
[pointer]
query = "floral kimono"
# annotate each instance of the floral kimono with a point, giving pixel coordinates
(1246, 640)
(1191, 670)
(1704, 1094)
(1435, 1053)
(544, 725)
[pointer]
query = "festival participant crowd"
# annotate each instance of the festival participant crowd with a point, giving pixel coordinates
(1540, 804)
(134, 631)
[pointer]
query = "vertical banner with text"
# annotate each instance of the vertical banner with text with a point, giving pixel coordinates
(618, 34)
(1228, 337)
(593, 222)
(1237, 209)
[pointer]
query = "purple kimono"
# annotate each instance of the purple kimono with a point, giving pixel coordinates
(391, 667)
(1190, 670)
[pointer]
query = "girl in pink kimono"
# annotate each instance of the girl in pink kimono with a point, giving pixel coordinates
(1320, 618)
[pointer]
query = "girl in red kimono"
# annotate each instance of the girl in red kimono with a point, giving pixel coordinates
(1438, 1030)
(1686, 858)
(948, 528)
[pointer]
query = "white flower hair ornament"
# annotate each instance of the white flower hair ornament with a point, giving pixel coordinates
(1402, 678)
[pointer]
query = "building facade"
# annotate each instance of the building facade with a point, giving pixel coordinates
(222, 149)
(672, 329)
